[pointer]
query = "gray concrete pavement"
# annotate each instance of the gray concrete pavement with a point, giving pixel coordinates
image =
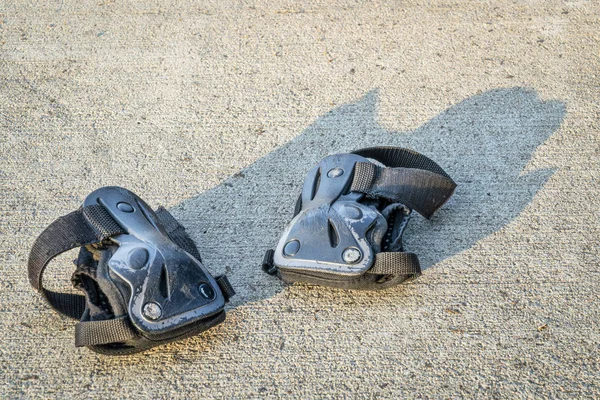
(217, 110)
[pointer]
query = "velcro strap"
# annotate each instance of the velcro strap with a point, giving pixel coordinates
(70, 304)
(396, 263)
(421, 190)
(398, 157)
(101, 221)
(89, 333)
(85, 226)
(225, 287)
(411, 178)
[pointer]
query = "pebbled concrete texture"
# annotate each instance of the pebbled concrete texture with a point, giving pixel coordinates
(218, 109)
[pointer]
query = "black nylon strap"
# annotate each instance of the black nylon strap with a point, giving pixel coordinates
(418, 189)
(397, 157)
(396, 263)
(101, 221)
(411, 179)
(89, 333)
(225, 287)
(85, 226)
(267, 264)
(70, 304)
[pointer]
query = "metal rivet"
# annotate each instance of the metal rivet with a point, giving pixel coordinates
(335, 172)
(351, 255)
(152, 310)
(291, 248)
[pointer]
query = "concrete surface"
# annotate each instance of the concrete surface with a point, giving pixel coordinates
(217, 110)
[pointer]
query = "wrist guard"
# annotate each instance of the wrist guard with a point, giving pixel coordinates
(141, 274)
(349, 219)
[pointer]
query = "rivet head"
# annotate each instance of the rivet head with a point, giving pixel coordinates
(291, 248)
(206, 291)
(335, 172)
(152, 311)
(351, 255)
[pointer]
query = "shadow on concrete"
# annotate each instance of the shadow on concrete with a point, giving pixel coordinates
(483, 142)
